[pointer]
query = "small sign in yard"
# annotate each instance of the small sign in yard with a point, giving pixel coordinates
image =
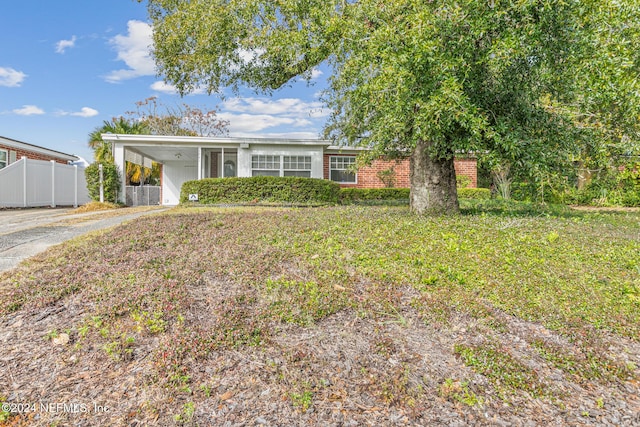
(193, 197)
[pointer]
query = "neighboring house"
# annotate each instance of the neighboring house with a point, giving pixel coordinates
(33, 176)
(185, 158)
(12, 150)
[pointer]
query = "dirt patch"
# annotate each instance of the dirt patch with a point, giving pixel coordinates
(344, 370)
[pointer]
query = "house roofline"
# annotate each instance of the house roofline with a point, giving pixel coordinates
(170, 139)
(37, 149)
(341, 149)
(195, 141)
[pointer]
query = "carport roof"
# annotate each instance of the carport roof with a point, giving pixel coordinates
(161, 148)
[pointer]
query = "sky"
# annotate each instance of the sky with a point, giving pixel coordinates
(67, 66)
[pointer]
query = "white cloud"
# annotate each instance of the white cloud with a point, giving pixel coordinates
(10, 77)
(164, 87)
(288, 107)
(315, 73)
(251, 55)
(279, 135)
(28, 110)
(134, 49)
(84, 112)
(285, 117)
(63, 45)
(258, 122)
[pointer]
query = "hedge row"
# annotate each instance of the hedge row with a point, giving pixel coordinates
(365, 194)
(268, 189)
(474, 193)
(263, 189)
(349, 195)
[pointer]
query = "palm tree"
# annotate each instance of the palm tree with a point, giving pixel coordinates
(102, 150)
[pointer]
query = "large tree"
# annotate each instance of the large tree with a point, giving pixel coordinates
(528, 80)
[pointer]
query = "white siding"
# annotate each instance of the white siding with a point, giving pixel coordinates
(174, 174)
(244, 157)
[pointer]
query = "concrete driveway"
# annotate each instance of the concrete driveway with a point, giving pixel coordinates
(26, 232)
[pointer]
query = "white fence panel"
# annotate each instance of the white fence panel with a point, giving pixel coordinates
(33, 183)
(11, 188)
(65, 185)
(39, 183)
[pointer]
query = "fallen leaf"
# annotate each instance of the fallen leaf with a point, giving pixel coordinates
(61, 339)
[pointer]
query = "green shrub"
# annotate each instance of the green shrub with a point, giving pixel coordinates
(262, 189)
(111, 181)
(351, 195)
(463, 181)
(474, 193)
(613, 187)
(356, 195)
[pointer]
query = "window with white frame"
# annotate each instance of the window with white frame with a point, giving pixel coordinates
(297, 166)
(265, 165)
(3, 158)
(341, 169)
(269, 165)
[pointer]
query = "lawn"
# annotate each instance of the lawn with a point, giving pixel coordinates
(331, 316)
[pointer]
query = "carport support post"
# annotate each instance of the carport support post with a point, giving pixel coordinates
(222, 162)
(200, 163)
(118, 158)
(101, 184)
(53, 183)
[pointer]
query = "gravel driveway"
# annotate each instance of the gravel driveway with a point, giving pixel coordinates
(24, 233)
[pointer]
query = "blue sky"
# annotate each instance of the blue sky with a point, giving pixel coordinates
(66, 66)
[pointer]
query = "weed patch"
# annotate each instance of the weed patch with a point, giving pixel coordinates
(506, 373)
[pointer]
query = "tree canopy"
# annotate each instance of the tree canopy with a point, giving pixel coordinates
(184, 119)
(530, 82)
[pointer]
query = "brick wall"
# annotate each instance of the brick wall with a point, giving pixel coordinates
(30, 155)
(368, 175)
(467, 167)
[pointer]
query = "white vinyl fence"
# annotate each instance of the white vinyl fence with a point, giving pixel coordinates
(35, 183)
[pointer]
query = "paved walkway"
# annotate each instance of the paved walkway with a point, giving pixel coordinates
(24, 233)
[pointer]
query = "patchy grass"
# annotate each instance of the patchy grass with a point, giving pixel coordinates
(186, 289)
(94, 206)
(502, 368)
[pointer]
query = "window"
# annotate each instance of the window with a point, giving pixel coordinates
(3, 158)
(229, 169)
(262, 165)
(266, 165)
(297, 166)
(340, 169)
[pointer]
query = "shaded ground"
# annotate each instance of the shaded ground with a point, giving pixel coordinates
(293, 317)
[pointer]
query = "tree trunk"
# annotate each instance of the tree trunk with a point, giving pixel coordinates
(433, 183)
